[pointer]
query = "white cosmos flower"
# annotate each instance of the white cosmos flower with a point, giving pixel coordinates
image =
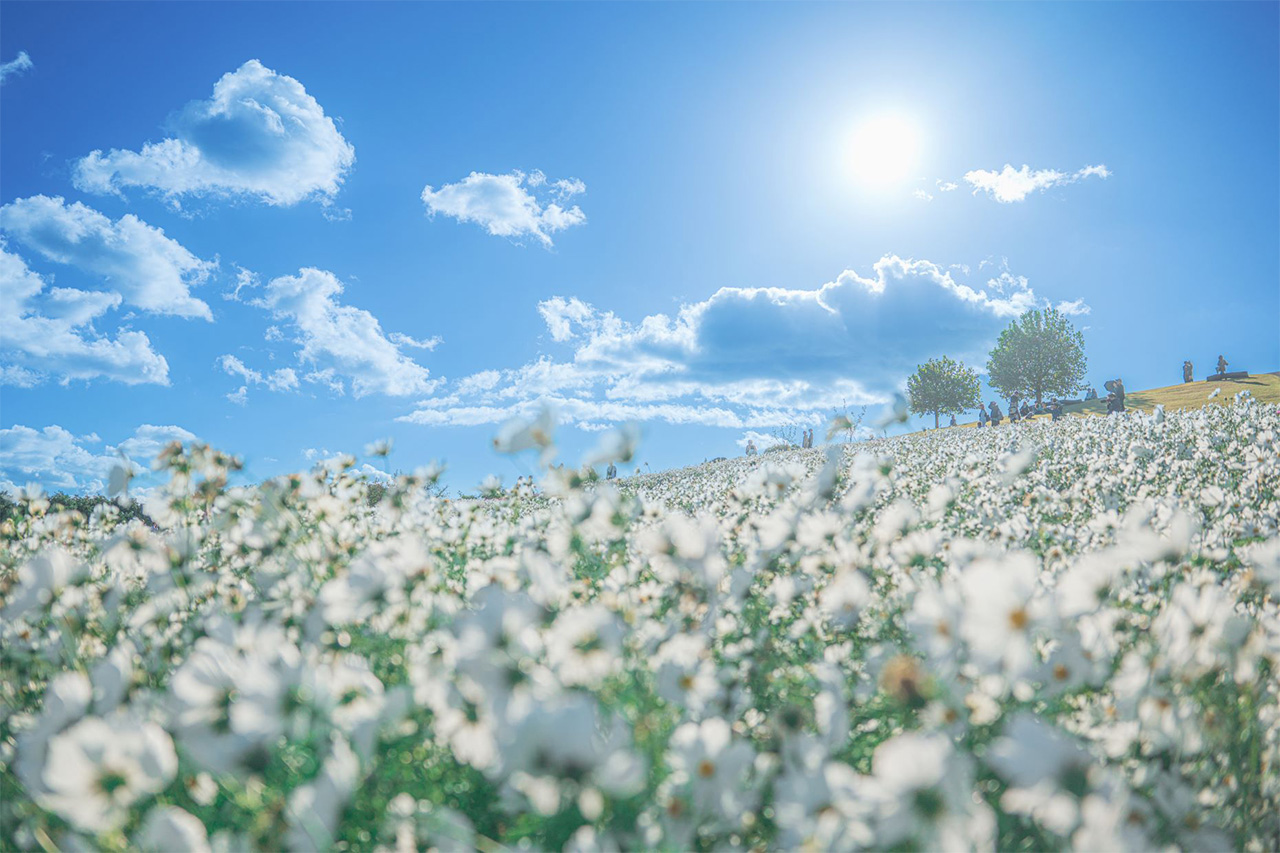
(97, 769)
(169, 828)
(844, 597)
(925, 789)
(1032, 751)
(315, 808)
(40, 579)
(713, 770)
(1002, 611)
(685, 673)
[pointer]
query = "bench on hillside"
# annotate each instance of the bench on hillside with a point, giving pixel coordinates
(1218, 377)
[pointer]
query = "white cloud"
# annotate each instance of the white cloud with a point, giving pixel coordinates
(260, 136)
(15, 66)
(746, 357)
(561, 314)
(922, 195)
(342, 341)
(148, 440)
(1074, 308)
(402, 340)
(947, 186)
(59, 460)
(762, 441)
(50, 332)
(137, 260)
(1010, 184)
(284, 379)
(505, 206)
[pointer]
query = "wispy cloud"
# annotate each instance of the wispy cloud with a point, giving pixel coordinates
(16, 66)
(515, 206)
(260, 136)
(1009, 184)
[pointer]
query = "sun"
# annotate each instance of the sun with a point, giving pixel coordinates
(884, 150)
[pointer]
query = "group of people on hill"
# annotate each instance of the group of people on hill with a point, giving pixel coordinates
(1188, 370)
(1018, 410)
(806, 439)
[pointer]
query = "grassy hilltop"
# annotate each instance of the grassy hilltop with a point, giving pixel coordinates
(1265, 387)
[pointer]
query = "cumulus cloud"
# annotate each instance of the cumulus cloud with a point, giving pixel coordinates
(747, 358)
(284, 379)
(922, 195)
(338, 341)
(1010, 184)
(59, 460)
(15, 66)
(514, 206)
(49, 332)
(561, 314)
(148, 269)
(260, 136)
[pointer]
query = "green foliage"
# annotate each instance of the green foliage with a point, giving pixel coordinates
(942, 387)
(1039, 353)
(83, 504)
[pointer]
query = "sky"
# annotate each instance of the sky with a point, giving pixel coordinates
(293, 230)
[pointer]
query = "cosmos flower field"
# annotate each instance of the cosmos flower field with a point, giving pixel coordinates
(1039, 637)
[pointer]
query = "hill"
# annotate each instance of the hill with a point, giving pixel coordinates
(1265, 387)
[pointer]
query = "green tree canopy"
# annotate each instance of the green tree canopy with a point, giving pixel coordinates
(942, 387)
(1040, 353)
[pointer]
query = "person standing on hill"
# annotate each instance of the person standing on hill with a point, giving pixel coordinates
(996, 415)
(751, 447)
(1186, 372)
(1222, 364)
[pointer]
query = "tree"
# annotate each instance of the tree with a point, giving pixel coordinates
(942, 387)
(1040, 353)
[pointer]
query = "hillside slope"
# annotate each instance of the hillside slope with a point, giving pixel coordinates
(1265, 387)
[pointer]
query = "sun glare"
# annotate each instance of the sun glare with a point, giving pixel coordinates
(884, 150)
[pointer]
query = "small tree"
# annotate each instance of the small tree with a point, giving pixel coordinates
(1040, 353)
(942, 387)
(845, 421)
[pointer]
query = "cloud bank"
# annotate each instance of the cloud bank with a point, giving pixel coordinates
(746, 358)
(513, 206)
(58, 460)
(260, 136)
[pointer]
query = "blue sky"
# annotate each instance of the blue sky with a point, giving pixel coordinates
(416, 221)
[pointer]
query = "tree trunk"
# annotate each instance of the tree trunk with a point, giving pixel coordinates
(935, 420)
